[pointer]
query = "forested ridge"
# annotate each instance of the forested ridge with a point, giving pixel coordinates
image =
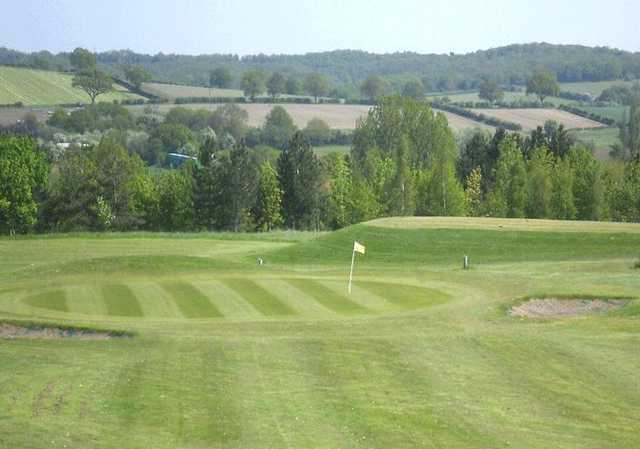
(346, 69)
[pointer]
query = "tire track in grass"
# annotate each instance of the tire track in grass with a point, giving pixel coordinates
(191, 301)
(51, 300)
(327, 297)
(406, 296)
(262, 300)
(120, 301)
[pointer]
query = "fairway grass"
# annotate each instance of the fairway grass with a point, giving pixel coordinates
(230, 354)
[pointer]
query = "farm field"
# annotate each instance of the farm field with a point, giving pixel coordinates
(173, 91)
(324, 150)
(226, 353)
(617, 113)
(508, 97)
(40, 88)
(593, 88)
(532, 118)
(337, 116)
(602, 139)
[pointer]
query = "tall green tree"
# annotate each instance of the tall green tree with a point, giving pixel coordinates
(137, 75)
(176, 200)
(278, 127)
(23, 177)
(276, 84)
(238, 188)
(473, 192)
(540, 183)
(316, 85)
(491, 91)
(299, 177)
(543, 84)
(94, 82)
(588, 188)
(82, 59)
(221, 78)
(413, 89)
(340, 205)
(253, 84)
(293, 86)
(562, 204)
(373, 87)
(267, 211)
(508, 197)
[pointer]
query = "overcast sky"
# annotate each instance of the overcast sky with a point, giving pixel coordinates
(300, 26)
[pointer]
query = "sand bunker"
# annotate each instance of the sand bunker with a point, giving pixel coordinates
(551, 307)
(13, 331)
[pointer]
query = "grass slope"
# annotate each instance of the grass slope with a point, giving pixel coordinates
(40, 87)
(421, 354)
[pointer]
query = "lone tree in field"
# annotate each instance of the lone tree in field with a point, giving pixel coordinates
(253, 84)
(137, 75)
(93, 82)
(316, 85)
(543, 84)
(82, 59)
(221, 78)
(373, 87)
(276, 84)
(490, 91)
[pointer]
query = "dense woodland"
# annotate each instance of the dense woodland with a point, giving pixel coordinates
(347, 69)
(404, 160)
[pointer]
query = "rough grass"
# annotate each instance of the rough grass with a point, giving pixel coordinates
(422, 354)
(40, 87)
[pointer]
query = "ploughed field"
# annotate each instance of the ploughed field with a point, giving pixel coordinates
(220, 351)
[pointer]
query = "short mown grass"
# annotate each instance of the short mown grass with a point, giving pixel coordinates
(230, 354)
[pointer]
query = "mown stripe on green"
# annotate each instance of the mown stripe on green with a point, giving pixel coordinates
(405, 296)
(120, 301)
(327, 297)
(51, 300)
(262, 300)
(191, 301)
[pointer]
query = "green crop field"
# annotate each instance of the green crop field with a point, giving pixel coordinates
(324, 150)
(602, 139)
(618, 113)
(593, 88)
(45, 88)
(227, 353)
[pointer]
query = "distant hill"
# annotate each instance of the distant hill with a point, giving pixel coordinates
(510, 65)
(41, 87)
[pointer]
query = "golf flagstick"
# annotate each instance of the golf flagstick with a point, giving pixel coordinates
(357, 248)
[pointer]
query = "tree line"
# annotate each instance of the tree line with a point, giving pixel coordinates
(346, 70)
(404, 161)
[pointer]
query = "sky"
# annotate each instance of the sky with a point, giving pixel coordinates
(299, 26)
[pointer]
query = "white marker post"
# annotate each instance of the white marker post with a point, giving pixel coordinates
(357, 248)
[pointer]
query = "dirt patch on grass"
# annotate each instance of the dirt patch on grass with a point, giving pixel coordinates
(552, 307)
(11, 331)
